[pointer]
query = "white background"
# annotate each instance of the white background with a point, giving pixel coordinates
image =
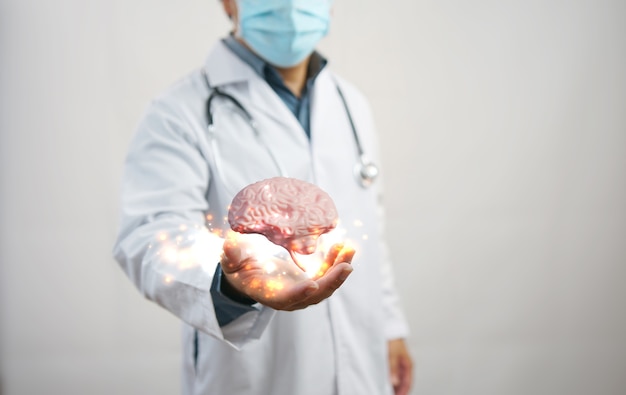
(503, 128)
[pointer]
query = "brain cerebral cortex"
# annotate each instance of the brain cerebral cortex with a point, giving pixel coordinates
(289, 212)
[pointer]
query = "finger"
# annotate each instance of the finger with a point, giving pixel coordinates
(404, 386)
(346, 255)
(394, 375)
(327, 284)
(294, 297)
(231, 250)
(401, 373)
(235, 252)
(334, 251)
(234, 256)
(229, 260)
(406, 376)
(329, 260)
(334, 278)
(331, 280)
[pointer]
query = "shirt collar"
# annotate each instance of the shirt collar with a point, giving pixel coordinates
(264, 69)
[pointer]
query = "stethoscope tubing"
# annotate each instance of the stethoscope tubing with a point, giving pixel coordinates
(365, 171)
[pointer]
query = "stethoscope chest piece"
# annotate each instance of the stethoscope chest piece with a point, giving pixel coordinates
(365, 172)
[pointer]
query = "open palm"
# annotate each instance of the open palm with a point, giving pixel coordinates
(273, 279)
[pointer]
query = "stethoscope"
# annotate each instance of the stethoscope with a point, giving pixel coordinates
(365, 171)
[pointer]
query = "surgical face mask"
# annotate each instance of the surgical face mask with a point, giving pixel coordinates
(283, 32)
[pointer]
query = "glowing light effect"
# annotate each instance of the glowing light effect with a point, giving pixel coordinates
(270, 267)
(195, 247)
(169, 254)
(188, 250)
(313, 264)
(274, 285)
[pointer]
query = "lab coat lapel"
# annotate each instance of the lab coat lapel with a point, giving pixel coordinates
(264, 99)
(224, 68)
(332, 141)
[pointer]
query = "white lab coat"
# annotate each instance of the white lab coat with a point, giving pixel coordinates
(173, 191)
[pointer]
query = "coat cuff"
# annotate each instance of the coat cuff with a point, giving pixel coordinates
(239, 321)
(227, 309)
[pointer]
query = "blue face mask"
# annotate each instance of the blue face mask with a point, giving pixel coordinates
(283, 32)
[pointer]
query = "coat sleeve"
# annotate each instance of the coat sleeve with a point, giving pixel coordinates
(163, 244)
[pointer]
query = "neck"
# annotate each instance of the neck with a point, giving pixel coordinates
(295, 77)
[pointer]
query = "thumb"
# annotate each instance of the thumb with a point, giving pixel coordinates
(232, 251)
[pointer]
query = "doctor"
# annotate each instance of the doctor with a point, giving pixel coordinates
(275, 109)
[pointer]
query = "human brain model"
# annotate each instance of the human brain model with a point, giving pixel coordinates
(291, 213)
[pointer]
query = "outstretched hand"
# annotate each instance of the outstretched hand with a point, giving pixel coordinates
(276, 281)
